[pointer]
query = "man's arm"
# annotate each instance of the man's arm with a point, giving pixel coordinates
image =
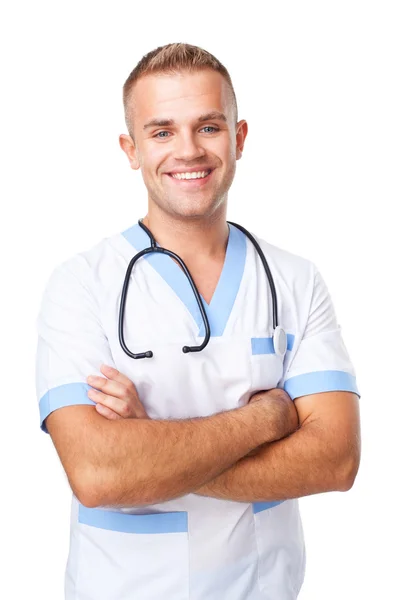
(141, 461)
(322, 455)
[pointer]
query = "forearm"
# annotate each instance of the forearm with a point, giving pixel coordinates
(143, 461)
(302, 464)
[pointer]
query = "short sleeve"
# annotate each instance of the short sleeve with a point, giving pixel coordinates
(71, 341)
(320, 361)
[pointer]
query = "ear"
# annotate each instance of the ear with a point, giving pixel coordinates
(128, 146)
(241, 132)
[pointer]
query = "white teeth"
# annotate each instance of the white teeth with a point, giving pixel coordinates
(198, 175)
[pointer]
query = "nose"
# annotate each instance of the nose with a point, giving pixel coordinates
(188, 147)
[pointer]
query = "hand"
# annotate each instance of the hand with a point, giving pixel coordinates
(280, 409)
(118, 398)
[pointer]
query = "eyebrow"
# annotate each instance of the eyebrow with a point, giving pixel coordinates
(211, 116)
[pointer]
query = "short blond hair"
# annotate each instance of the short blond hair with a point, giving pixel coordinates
(172, 59)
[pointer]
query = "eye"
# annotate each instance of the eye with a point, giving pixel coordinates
(211, 127)
(159, 134)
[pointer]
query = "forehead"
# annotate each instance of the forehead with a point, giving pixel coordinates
(180, 96)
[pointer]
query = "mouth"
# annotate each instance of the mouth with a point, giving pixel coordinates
(191, 180)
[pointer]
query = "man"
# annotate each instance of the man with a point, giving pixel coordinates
(195, 495)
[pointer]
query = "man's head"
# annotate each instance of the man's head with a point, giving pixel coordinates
(181, 114)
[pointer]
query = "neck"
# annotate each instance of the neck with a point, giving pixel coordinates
(194, 240)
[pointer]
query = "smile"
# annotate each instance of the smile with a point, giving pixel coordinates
(198, 175)
(196, 178)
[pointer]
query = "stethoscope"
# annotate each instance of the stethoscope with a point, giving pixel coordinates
(279, 336)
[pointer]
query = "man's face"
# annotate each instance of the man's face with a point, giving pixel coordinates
(184, 123)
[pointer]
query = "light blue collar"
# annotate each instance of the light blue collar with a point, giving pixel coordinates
(220, 307)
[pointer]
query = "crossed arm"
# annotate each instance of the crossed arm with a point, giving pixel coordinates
(122, 461)
(322, 455)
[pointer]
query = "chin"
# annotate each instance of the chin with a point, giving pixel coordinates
(189, 206)
(193, 211)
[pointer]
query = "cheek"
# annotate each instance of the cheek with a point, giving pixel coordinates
(151, 159)
(229, 156)
(230, 168)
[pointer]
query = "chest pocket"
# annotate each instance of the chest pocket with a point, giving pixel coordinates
(266, 366)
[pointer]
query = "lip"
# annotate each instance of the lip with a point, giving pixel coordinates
(190, 170)
(192, 183)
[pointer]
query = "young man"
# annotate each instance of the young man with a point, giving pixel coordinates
(193, 494)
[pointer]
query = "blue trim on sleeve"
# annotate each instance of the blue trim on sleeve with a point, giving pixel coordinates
(320, 381)
(173, 522)
(260, 506)
(265, 345)
(69, 394)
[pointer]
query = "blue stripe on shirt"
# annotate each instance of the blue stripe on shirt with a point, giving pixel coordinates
(320, 381)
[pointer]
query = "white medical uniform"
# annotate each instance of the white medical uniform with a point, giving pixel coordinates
(192, 547)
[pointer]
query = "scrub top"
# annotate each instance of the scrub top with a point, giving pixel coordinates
(192, 547)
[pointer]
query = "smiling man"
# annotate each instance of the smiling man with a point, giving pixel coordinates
(191, 414)
(185, 139)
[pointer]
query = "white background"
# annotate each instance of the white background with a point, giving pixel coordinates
(318, 83)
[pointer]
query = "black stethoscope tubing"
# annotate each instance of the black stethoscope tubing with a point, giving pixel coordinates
(155, 248)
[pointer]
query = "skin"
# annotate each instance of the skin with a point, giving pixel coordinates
(189, 221)
(116, 398)
(320, 453)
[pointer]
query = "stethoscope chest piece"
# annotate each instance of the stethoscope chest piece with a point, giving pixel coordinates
(280, 341)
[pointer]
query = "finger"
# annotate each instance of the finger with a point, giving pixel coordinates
(116, 375)
(110, 387)
(107, 413)
(120, 407)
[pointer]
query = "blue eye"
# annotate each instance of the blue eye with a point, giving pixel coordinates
(160, 136)
(211, 127)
